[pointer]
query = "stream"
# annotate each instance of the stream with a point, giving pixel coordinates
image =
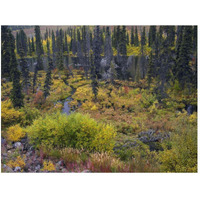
(66, 107)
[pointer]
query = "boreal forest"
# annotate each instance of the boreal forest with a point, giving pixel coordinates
(99, 99)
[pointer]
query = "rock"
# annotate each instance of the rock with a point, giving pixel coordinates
(29, 153)
(9, 147)
(17, 169)
(4, 154)
(150, 137)
(64, 170)
(86, 171)
(189, 109)
(7, 168)
(18, 145)
(59, 165)
(3, 141)
(37, 168)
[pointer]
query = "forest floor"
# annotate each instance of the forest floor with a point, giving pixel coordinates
(150, 135)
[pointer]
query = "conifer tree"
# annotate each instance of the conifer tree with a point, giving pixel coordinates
(22, 43)
(143, 40)
(136, 40)
(94, 79)
(127, 39)
(66, 45)
(16, 92)
(5, 52)
(39, 49)
(25, 71)
(184, 71)
(29, 47)
(122, 42)
(152, 35)
(97, 52)
(132, 36)
(48, 79)
(53, 48)
(59, 52)
(32, 44)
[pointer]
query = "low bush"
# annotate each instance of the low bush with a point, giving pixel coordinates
(76, 131)
(15, 133)
(9, 116)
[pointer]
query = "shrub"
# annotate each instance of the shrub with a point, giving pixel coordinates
(48, 166)
(38, 99)
(15, 133)
(18, 162)
(30, 114)
(182, 157)
(76, 131)
(9, 115)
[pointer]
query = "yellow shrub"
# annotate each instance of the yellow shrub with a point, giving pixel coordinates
(15, 133)
(19, 162)
(9, 115)
(48, 166)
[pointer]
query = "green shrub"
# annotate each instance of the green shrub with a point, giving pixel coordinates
(182, 157)
(30, 114)
(76, 131)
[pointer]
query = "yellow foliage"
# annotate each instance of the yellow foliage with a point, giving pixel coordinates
(15, 133)
(48, 166)
(8, 114)
(18, 162)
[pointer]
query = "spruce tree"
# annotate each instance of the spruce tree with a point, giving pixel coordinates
(136, 40)
(152, 35)
(132, 36)
(94, 78)
(66, 45)
(39, 49)
(5, 52)
(143, 40)
(53, 48)
(127, 38)
(184, 71)
(16, 92)
(29, 47)
(48, 80)
(97, 52)
(22, 40)
(59, 51)
(33, 45)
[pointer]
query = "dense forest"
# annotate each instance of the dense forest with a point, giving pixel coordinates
(99, 99)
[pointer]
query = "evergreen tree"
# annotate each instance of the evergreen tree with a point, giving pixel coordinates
(152, 35)
(97, 52)
(32, 44)
(29, 47)
(25, 71)
(122, 42)
(132, 36)
(143, 40)
(136, 40)
(5, 52)
(74, 45)
(16, 93)
(184, 71)
(59, 52)
(94, 79)
(39, 49)
(108, 47)
(66, 45)
(22, 43)
(48, 79)
(127, 39)
(53, 48)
